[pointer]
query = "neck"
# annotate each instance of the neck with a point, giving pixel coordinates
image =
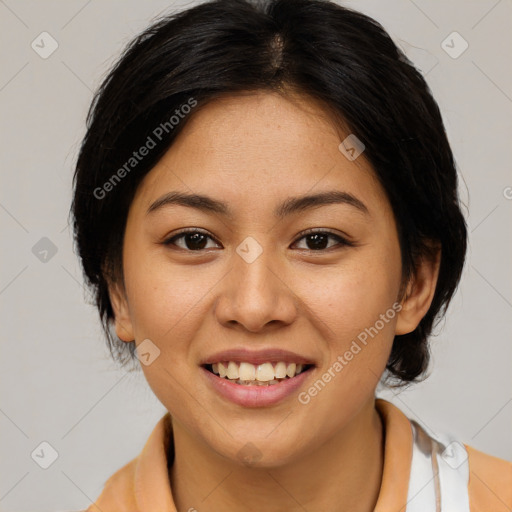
(344, 474)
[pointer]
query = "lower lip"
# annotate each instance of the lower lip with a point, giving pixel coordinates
(256, 396)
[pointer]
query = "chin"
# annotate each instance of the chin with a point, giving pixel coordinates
(254, 450)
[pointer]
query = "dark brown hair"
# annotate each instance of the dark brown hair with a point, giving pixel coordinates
(338, 56)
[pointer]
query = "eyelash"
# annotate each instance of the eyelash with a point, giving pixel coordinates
(341, 240)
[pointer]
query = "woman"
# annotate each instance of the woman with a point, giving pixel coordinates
(266, 210)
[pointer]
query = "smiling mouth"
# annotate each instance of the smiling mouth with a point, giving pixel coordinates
(266, 374)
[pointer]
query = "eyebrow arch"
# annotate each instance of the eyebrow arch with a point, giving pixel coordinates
(289, 206)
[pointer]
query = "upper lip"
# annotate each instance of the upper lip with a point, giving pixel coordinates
(256, 356)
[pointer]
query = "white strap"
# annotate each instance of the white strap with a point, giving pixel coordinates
(439, 474)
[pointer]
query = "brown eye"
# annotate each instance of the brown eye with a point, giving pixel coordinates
(319, 240)
(193, 240)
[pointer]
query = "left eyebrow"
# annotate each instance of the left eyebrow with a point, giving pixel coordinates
(289, 206)
(301, 203)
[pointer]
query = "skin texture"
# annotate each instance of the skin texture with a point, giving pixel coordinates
(253, 152)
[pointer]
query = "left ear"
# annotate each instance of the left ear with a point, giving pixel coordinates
(419, 292)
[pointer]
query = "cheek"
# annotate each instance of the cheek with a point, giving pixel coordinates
(351, 298)
(162, 299)
(165, 307)
(354, 307)
(356, 314)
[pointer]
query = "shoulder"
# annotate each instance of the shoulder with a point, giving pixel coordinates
(490, 482)
(453, 469)
(144, 479)
(118, 493)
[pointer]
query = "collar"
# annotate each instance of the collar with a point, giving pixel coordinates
(153, 490)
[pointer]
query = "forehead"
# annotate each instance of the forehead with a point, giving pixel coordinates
(259, 145)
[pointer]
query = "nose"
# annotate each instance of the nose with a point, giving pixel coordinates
(255, 296)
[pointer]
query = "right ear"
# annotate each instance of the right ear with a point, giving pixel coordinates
(122, 318)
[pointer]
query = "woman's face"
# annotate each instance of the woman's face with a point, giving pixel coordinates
(251, 287)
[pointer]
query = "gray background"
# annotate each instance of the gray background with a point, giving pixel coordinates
(57, 381)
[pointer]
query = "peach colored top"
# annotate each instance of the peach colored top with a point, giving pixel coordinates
(143, 484)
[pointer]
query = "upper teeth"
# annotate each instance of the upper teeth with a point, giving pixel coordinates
(263, 372)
